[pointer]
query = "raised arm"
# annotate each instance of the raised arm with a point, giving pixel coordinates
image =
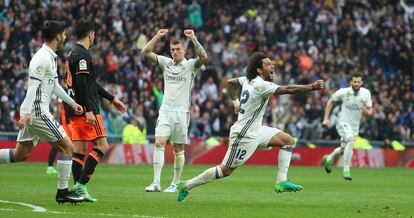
(147, 51)
(233, 86)
(200, 52)
(297, 89)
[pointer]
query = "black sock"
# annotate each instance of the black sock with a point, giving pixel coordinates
(52, 157)
(93, 159)
(77, 166)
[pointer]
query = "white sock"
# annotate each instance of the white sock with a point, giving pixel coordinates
(335, 154)
(205, 177)
(5, 156)
(179, 160)
(158, 162)
(64, 166)
(348, 151)
(285, 154)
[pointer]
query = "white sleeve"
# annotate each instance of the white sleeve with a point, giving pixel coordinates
(37, 68)
(162, 61)
(60, 92)
(267, 89)
(338, 95)
(242, 79)
(26, 107)
(368, 102)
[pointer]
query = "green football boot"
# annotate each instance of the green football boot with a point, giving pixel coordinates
(347, 175)
(82, 191)
(182, 191)
(51, 171)
(328, 164)
(287, 186)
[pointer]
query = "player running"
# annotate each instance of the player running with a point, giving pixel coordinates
(36, 122)
(88, 127)
(355, 102)
(247, 134)
(174, 117)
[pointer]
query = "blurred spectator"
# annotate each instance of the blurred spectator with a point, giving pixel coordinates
(374, 38)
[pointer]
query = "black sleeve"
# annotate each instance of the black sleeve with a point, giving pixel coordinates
(83, 95)
(103, 93)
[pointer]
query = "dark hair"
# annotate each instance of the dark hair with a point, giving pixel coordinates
(356, 75)
(51, 28)
(176, 42)
(255, 61)
(83, 27)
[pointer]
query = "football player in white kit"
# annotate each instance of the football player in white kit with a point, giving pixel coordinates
(173, 118)
(247, 134)
(355, 101)
(36, 122)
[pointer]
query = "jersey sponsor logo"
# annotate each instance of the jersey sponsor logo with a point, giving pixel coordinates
(353, 107)
(176, 78)
(83, 65)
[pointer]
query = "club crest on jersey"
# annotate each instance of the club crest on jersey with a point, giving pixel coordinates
(39, 69)
(83, 65)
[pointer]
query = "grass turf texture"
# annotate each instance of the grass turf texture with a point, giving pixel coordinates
(247, 193)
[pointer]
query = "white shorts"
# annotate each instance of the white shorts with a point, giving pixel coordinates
(241, 149)
(44, 128)
(174, 125)
(346, 131)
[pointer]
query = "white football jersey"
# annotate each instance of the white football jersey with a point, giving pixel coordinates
(43, 68)
(253, 102)
(351, 104)
(178, 81)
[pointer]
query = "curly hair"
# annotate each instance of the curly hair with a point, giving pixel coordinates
(255, 61)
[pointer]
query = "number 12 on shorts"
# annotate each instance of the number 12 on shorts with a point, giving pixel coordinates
(240, 154)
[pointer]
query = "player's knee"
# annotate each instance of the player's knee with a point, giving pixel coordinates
(21, 156)
(349, 139)
(159, 143)
(102, 147)
(227, 171)
(178, 148)
(80, 148)
(288, 140)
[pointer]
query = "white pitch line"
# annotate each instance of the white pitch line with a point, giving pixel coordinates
(8, 209)
(107, 214)
(44, 210)
(34, 207)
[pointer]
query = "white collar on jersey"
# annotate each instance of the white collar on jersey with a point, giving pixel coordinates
(49, 49)
(181, 63)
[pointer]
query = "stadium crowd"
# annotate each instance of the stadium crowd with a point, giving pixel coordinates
(306, 39)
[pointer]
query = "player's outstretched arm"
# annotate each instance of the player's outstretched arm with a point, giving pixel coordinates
(297, 89)
(200, 52)
(233, 86)
(147, 51)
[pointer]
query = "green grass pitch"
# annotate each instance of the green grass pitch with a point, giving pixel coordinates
(387, 192)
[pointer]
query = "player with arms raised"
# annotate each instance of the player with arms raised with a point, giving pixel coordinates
(173, 118)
